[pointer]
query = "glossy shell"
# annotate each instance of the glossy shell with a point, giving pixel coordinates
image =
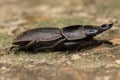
(38, 34)
(74, 32)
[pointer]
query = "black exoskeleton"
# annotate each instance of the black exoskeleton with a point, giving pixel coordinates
(52, 39)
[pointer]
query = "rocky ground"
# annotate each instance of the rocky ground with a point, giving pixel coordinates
(98, 63)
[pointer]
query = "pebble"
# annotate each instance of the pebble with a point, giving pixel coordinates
(117, 61)
(74, 57)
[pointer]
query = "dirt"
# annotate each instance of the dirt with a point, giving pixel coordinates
(98, 63)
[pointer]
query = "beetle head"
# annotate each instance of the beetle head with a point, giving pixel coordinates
(105, 27)
(92, 30)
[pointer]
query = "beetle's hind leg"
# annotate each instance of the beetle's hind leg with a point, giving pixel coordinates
(27, 46)
(15, 49)
(50, 48)
(19, 48)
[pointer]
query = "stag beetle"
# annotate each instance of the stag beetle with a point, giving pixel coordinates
(67, 38)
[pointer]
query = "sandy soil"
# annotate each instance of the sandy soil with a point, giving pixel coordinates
(98, 63)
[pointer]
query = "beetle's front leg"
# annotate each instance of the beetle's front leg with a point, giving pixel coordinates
(78, 45)
(105, 42)
(89, 44)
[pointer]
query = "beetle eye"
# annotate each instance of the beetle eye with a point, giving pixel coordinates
(91, 31)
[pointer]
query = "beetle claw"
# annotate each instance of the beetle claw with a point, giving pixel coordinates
(12, 48)
(16, 49)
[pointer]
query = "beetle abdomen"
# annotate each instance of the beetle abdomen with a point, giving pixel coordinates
(39, 34)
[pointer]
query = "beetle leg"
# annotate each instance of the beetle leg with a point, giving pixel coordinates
(18, 48)
(71, 45)
(28, 45)
(89, 44)
(14, 48)
(105, 42)
(51, 47)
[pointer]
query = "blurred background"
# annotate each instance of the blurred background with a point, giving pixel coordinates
(101, 63)
(14, 13)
